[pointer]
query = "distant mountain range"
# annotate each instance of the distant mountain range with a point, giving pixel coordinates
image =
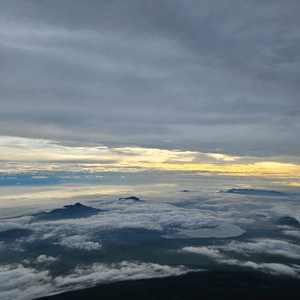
(131, 198)
(253, 192)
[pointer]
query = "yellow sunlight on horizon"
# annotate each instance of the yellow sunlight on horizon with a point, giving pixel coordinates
(21, 155)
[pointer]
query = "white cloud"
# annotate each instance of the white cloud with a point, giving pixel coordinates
(14, 223)
(292, 233)
(224, 157)
(46, 259)
(118, 272)
(267, 246)
(4, 226)
(79, 242)
(162, 216)
(281, 269)
(20, 283)
(203, 251)
(274, 268)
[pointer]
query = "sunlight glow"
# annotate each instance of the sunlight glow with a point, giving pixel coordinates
(21, 155)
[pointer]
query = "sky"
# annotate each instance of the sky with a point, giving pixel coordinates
(192, 106)
(145, 83)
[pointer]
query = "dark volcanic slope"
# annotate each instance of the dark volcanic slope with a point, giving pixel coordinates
(67, 212)
(195, 286)
(288, 221)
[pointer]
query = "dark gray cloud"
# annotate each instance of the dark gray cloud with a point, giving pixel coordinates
(214, 76)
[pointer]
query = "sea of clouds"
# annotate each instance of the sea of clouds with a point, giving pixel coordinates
(127, 240)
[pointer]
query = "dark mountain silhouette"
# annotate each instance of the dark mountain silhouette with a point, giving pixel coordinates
(67, 212)
(288, 221)
(130, 198)
(253, 192)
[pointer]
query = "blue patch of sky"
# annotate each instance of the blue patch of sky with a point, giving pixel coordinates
(61, 177)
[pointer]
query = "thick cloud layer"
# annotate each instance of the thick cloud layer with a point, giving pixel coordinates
(125, 240)
(79, 242)
(23, 283)
(203, 251)
(217, 76)
(266, 246)
(86, 233)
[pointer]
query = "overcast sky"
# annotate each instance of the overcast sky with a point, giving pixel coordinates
(217, 76)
